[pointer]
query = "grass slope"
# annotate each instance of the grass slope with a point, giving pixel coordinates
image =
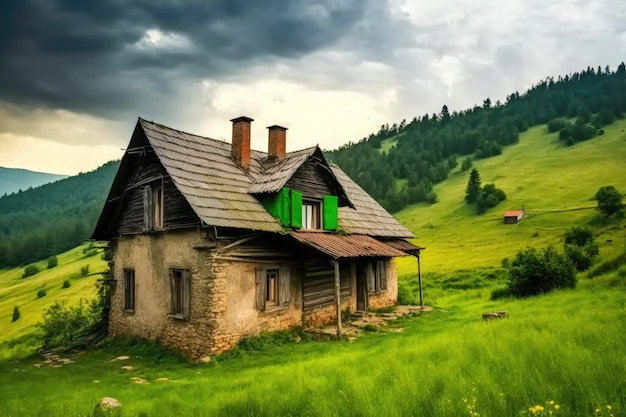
(22, 292)
(555, 184)
(560, 347)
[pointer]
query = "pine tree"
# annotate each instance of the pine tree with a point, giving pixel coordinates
(16, 314)
(473, 187)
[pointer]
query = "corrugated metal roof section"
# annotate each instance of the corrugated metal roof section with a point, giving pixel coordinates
(346, 246)
(206, 175)
(403, 245)
(512, 213)
(368, 217)
(277, 174)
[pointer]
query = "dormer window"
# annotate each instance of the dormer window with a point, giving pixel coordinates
(311, 215)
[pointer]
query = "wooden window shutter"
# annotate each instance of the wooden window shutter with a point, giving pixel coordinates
(284, 290)
(285, 206)
(173, 292)
(371, 279)
(186, 284)
(147, 208)
(383, 274)
(260, 289)
(296, 209)
(331, 212)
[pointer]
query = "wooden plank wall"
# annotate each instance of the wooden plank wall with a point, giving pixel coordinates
(309, 181)
(319, 283)
(177, 212)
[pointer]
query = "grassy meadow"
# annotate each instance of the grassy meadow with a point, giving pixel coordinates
(561, 354)
(554, 183)
(16, 291)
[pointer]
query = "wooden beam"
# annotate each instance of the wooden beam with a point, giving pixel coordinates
(338, 297)
(419, 278)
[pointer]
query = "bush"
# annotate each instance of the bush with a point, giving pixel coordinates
(500, 293)
(84, 271)
(41, 293)
(64, 327)
(16, 314)
(609, 200)
(581, 257)
(66, 284)
(556, 125)
(535, 272)
(30, 270)
(52, 262)
(578, 235)
(570, 141)
(466, 164)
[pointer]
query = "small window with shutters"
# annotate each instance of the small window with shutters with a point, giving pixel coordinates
(129, 290)
(273, 287)
(180, 284)
(377, 275)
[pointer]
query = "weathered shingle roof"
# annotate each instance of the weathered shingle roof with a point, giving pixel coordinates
(221, 193)
(367, 217)
(205, 174)
(278, 173)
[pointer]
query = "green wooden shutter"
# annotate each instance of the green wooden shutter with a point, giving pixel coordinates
(331, 212)
(296, 209)
(285, 206)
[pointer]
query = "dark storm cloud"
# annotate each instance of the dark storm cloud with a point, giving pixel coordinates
(84, 56)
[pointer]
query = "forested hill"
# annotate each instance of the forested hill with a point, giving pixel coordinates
(50, 219)
(13, 179)
(419, 154)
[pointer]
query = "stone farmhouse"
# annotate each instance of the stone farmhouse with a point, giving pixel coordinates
(213, 241)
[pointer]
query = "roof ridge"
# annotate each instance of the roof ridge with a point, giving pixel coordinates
(180, 131)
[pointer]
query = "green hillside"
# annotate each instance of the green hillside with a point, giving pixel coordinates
(40, 222)
(16, 291)
(554, 183)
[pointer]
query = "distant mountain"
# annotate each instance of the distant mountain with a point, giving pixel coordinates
(12, 179)
(52, 218)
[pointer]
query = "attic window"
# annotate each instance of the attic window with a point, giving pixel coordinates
(311, 211)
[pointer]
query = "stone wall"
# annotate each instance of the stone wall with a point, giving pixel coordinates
(151, 256)
(389, 297)
(235, 304)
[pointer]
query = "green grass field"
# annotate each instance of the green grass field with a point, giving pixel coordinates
(563, 351)
(555, 185)
(22, 292)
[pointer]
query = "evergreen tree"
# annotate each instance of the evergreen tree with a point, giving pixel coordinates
(473, 187)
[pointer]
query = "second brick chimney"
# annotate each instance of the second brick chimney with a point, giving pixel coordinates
(277, 142)
(240, 148)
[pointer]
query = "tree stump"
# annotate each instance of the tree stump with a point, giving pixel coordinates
(108, 407)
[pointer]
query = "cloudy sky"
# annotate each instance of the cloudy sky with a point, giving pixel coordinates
(75, 75)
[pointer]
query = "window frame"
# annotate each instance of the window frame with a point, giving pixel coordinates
(281, 291)
(130, 290)
(377, 275)
(316, 218)
(157, 207)
(180, 291)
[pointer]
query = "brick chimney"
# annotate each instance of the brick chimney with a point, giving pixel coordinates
(277, 142)
(240, 149)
